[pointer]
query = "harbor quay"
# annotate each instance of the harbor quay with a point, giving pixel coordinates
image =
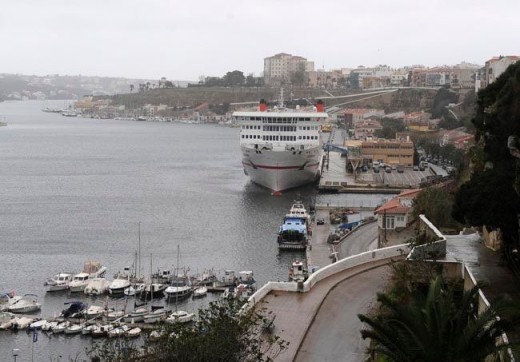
(321, 313)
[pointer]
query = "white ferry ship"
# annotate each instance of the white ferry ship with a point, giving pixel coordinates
(281, 148)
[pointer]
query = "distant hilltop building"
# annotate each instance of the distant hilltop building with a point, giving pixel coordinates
(493, 68)
(457, 76)
(286, 68)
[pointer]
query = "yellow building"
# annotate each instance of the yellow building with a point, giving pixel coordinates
(392, 152)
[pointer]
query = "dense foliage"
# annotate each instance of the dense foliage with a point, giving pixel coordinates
(223, 332)
(442, 99)
(489, 197)
(439, 325)
(390, 128)
(436, 204)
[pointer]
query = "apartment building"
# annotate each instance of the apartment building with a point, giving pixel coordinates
(492, 69)
(458, 76)
(280, 67)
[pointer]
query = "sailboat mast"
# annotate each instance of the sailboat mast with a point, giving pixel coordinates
(151, 280)
(139, 252)
(177, 294)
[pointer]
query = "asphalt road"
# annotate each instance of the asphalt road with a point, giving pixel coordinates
(359, 241)
(335, 332)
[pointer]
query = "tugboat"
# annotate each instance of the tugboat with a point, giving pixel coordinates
(294, 232)
(298, 272)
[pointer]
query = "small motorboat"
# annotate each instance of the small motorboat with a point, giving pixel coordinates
(153, 291)
(49, 326)
(95, 311)
(97, 286)
(60, 282)
(38, 324)
(101, 331)
(79, 283)
(156, 315)
(75, 309)
(180, 317)
(23, 323)
(74, 329)
(87, 329)
(137, 315)
(27, 304)
(6, 320)
(118, 331)
(60, 328)
(156, 334)
(200, 292)
(134, 332)
(6, 299)
(133, 290)
(115, 314)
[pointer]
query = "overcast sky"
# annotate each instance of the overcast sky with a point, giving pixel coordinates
(182, 40)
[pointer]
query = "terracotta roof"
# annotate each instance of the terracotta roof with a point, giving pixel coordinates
(394, 206)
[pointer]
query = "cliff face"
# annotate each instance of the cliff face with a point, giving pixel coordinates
(403, 100)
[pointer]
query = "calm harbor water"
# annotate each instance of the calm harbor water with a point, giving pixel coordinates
(74, 189)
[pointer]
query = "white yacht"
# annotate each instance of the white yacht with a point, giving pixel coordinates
(91, 269)
(27, 304)
(79, 282)
(60, 282)
(180, 317)
(97, 286)
(121, 282)
(281, 148)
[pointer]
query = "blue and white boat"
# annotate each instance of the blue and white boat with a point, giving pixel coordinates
(294, 232)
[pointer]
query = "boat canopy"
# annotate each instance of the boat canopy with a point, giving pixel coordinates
(295, 224)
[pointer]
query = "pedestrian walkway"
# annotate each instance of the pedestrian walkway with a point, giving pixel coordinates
(484, 264)
(318, 324)
(295, 312)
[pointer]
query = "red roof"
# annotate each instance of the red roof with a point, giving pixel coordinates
(394, 206)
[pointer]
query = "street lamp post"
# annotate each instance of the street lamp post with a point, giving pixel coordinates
(16, 351)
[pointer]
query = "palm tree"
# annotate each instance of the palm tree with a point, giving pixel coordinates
(441, 326)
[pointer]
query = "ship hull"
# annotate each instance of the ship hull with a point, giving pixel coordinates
(282, 170)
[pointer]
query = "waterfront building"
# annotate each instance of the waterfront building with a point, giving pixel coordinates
(391, 152)
(395, 217)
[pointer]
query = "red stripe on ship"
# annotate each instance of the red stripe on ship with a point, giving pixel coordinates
(280, 167)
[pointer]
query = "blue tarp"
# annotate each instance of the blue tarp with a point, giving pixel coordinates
(294, 224)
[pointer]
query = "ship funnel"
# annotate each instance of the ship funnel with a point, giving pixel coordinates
(320, 107)
(262, 107)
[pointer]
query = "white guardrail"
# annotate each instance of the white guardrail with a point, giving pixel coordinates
(435, 248)
(331, 269)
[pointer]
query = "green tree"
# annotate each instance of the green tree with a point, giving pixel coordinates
(489, 197)
(438, 326)
(436, 204)
(298, 78)
(390, 128)
(223, 332)
(442, 99)
(234, 78)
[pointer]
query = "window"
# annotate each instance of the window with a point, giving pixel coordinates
(388, 222)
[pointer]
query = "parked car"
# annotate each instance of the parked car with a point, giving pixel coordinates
(416, 168)
(388, 169)
(376, 169)
(320, 221)
(400, 169)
